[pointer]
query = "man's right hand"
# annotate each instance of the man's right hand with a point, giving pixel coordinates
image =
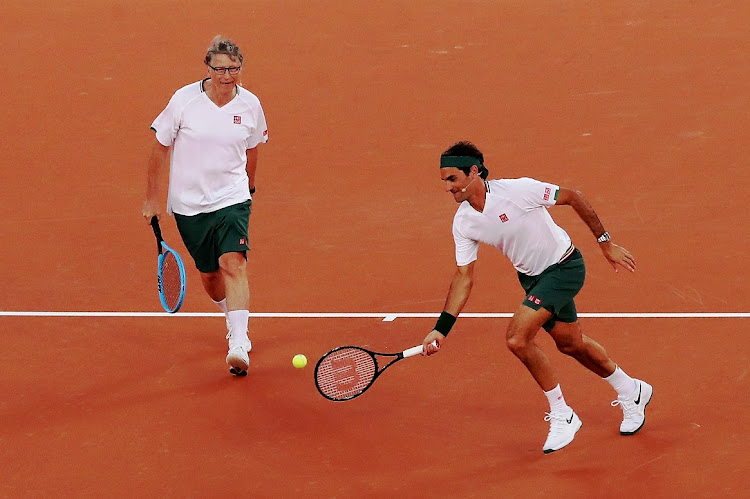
(617, 255)
(151, 208)
(432, 343)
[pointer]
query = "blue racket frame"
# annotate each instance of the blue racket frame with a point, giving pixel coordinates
(183, 278)
(164, 250)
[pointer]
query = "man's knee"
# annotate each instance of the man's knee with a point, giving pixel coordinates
(568, 338)
(569, 347)
(517, 338)
(232, 263)
(516, 344)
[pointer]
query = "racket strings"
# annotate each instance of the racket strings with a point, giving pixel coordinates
(345, 373)
(171, 282)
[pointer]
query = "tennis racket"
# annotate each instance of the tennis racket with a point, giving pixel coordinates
(170, 273)
(347, 372)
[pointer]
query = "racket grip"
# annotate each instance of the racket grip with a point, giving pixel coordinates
(157, 232)
(417, 350)
(155, 225)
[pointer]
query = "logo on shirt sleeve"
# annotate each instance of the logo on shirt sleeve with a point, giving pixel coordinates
(547, 192)
(503, 217)
(238, 120)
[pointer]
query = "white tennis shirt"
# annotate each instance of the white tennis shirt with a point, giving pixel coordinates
(515, 220)
(209, 148)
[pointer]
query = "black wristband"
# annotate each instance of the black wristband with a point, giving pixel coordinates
(252, 190)
(444, 323)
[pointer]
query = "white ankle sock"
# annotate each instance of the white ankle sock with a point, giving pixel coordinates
(238, 324)
(222, 305)
(556, 399)
(622, 383)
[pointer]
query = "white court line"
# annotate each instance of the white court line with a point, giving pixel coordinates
(386, 317)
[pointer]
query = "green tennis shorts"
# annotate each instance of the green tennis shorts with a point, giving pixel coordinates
(555, 288)
(207, 236)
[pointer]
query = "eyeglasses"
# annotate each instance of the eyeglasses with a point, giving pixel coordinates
(220, 71)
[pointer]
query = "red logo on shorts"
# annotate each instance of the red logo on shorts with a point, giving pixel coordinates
(547, 192)
(243, 240)
(503, 218)
(238, 120)
(534, 299)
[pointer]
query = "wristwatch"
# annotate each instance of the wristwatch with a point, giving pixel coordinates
(603, 238)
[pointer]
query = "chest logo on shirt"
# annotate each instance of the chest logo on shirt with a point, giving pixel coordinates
(503, 217)
(238, 120)
(547, 192)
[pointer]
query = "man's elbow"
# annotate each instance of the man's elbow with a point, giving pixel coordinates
(571, 197)
(465, 277)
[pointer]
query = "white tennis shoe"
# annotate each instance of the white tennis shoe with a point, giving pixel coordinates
(238, 360)
(244, 342)
(634, 407)
(563, 426)
(237, 357)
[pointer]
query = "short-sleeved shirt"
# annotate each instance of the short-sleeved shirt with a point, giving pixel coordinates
(515, 220)
(209, 148)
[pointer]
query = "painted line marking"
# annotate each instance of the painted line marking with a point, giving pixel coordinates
(598, 92)
(386, 317)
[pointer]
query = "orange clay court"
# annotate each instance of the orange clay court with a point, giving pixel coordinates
(642, 105)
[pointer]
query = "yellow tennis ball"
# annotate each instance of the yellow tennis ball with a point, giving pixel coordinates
(299, 361)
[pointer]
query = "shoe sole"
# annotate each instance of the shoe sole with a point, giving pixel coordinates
(237, 363)
(627, 433)
(549, 451)
(237, 372)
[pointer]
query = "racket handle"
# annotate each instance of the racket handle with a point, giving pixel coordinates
(417, 350)
(157, 232)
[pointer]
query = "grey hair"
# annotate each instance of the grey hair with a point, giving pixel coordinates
(222, 45)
